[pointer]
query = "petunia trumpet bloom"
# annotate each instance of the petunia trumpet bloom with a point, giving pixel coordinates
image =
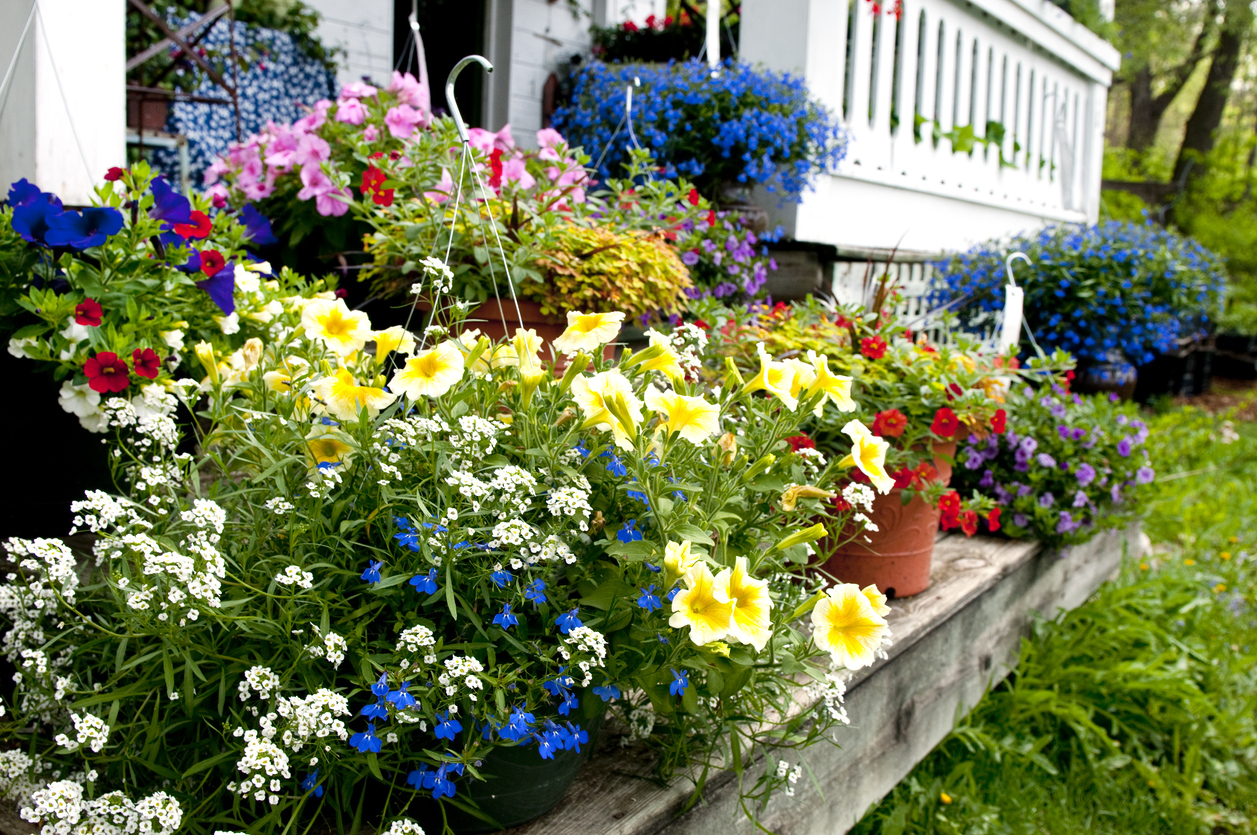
(697, 607)
(845, 625)
(431, 373)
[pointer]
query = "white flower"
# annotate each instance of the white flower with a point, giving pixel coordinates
(229, 324)
(80, 401)
(173, 339)
(294, 575)
(246, 280)
(17, 347)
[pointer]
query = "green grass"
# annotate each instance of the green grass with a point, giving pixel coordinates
(1137, 712)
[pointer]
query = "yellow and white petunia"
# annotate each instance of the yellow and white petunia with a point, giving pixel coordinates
(837, 387)
(662, 357)
(751, 622)
(693, 418)
(393, 339)
(527, 346)
(344, 398)
(696, 606)
(876, 599)
(804, 376)
(431, 373)
(678, 559)
(588, 331)
(328, 446)
(845, 625)
(597, 396)
(776, 378)
(868, 453)
(280, 379)
(340, 329)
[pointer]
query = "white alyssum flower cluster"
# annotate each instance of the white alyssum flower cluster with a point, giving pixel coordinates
(263, 764)
(260, 680)
(295, 575)
(63, 810)
(588, 642)
(89, 730)
(403, 827)
(330, 646)
(462, 668)
(316, 716)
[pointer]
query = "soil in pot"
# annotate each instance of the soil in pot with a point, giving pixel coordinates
(896, 558)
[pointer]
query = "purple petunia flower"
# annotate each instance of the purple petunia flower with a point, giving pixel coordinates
(1047, 500)
(1029, 445)
(1123, 447)
(1080, 499)
(1045, 460)
(974, 461)
(1085, 474)
(1145, 474)
(1024, 490)
(689, 258)
(1020, 520)
(988, 479)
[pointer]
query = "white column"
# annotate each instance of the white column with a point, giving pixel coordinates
(713, 32)
(64, 118)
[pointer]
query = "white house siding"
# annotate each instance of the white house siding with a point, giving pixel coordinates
(364, 29)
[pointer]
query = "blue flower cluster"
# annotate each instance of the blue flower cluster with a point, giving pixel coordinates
(1129, 288)
(742, 125)
(39, 218)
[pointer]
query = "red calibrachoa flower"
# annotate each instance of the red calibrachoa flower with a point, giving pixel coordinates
(969, 522)
(902, 477)
(992, 519)
(200, 227)
(953, 391)
(873, 347)
(890, 423)
(146, 362)
(1069, 378)
(372, 180)
(212, 261)
(798, 442)
(692, 197)
(106, 372)
(924, 475)
(949, 506)
(999, 421)
(88, 312)
(113, 174)
(841, 505)
(945, 423)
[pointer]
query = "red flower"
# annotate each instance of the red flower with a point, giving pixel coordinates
(495, 168)
(949, 506)
(992, 519)
(692, 197)
(969, 522)
(945, 423)
(923, 475)
(113, 174)
(890, 423)
(699, 323)
(902, 477)
(652, 21)
(798, 442)
(88, 312)
(1069, 378)
(953, 391)
(999, 421)
(146, 363)
(873, 347)
(200, 227)
(373, 178)
(841, 504)
(106, 372)
(341, 293)
(630, 26)
(211, 262)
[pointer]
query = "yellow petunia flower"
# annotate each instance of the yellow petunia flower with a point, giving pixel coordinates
(804, 376)
(328, 446)
(776, 378)
(876, 599)
(696, 606)
(661, 357)
(431, 373)
(599, 396)
(527, 346)
(588, 331)
(344, 398)
(340, 329)
(837, 387)
(678, 559)
(751, 622)
(790, 498)
(393, 339)
(280, 379)
(693, 418)
(845, 625)
(868, 453)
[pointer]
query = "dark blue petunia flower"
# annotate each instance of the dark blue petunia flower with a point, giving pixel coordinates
(23, 193)
(256, 227)
(83, 230)
(221, 287)
(31, 219)
(168, 204)
(372, 572)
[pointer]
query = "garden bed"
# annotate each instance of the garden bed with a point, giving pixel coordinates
(951, 642)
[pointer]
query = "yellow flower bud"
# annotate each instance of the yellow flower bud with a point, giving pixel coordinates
(251, 353)
(811, 534)
(728, 445)
(790, 498)
(205, 354)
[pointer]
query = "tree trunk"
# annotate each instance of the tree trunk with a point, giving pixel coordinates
(1144, 121)
(1202, 125)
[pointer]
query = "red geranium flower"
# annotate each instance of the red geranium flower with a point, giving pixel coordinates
(211, 262)
(692, 197)
(798, 442)
(999, 421)
(88, 312)
(992, 519)
(106, 372)
(200, 227)
(945, 423)
(873, 347)
(146, 363)
(113, 174)
(969, 522)
(890, 423)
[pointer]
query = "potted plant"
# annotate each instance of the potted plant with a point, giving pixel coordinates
(677, 37)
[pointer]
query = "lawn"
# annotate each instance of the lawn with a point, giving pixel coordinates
(1134, 713)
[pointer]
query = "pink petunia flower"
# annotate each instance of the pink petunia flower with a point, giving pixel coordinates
(411, 91)
(357, 90)
(402, 120)
(351, 112)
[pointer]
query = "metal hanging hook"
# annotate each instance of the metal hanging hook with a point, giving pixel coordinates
(449, 90)
(1008, 264)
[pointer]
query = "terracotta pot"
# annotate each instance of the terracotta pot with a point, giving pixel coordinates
(897, 557)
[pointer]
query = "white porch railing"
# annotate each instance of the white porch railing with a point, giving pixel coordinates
(968, 120)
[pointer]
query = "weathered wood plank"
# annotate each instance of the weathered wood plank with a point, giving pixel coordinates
(951, 642)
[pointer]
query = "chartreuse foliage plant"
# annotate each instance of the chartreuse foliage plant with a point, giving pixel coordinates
(393, 554)
(1135, 712)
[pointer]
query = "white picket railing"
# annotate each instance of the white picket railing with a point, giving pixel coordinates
(901, 85)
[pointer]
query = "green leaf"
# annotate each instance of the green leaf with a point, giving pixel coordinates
(204, 765)
(693, 533)
(373, 763)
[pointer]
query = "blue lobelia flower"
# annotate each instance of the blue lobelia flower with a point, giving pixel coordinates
(547, 743)
(616, 466)
(505, 619)
(580, 446)
(83, 230)
(681, 680)
(425, 582)
(535, 592)
(501, 577)
(401, 697)
(651, 567)
(366, 741)
(607, 692)
(441, 785)
(629, 533)
(671, 593)
(376, 710)
(648, 600)
(168, 204)
(419, 777)
(663, 639)
(256, 227)
(446, 727)
(380, 688)
(639, 496)
(576, 737)
(372, 572)
(311, 783)
(568, 621)
(518, 726)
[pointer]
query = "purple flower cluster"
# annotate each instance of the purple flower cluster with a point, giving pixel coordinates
(725, 258)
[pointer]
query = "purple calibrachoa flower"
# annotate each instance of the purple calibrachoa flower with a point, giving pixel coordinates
(1080, 499)
(1045, 460)
(1085, 474)
(1145, 474)
(1123, 447)
(1020, 520)
(1047, 500)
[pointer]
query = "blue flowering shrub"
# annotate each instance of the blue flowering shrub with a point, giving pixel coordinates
(1134, 288)
(743, 126)
(1067, 467)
